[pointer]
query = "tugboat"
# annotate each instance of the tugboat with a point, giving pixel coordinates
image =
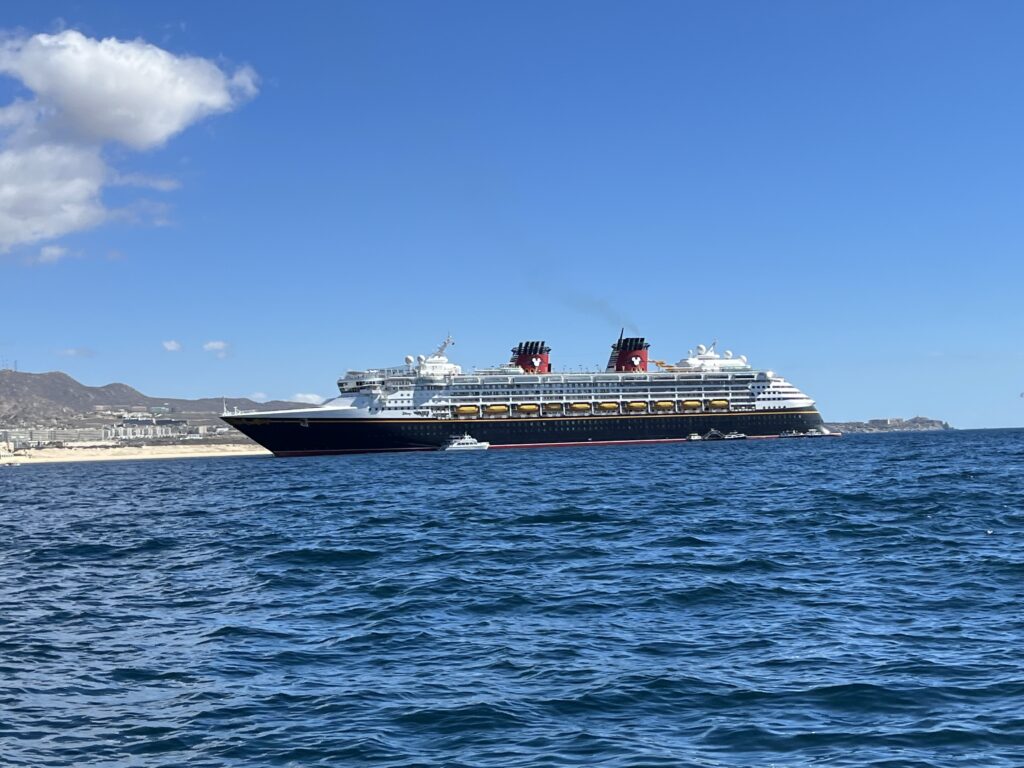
(465, 443)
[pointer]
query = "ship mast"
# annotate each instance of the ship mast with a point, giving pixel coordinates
(448, 341)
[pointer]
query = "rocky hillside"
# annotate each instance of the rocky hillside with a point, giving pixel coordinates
(31, 399)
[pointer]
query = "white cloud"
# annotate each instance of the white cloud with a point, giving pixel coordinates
(127, 91)
(76, 352)
(47, 191)
(51, 253)
(306, 397)
(18, 113)
(259, 397)
(172, 345)
(220, 348)
(144, 212)
(158, 183)
(88, 93)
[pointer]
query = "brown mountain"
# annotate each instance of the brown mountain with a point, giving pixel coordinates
(28, 399)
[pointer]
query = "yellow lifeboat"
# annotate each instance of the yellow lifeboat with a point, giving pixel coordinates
(527, 408)
(496, 409)
(691, 405)
(664, 405)
(553, 407)
(719, 404)
(467, 410)
(637, 406)
(579, 407)
(609, 406)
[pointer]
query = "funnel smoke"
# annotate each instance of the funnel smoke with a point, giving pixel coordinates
(594, 306)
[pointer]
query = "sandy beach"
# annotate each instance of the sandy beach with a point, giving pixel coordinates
(114, 453)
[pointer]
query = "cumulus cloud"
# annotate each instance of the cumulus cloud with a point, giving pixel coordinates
(47, 191)
(127, 91)
(219, 348)
(172, 345)
(307, 397)
(89, 93)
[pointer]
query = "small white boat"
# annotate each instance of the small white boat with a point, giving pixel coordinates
(735, 436)
(694, 436)
(465, 443)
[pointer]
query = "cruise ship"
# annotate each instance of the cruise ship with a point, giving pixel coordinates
(427, 402)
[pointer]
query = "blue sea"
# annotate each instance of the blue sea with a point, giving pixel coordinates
(850, 602)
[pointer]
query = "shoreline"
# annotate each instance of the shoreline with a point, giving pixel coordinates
(31, 456)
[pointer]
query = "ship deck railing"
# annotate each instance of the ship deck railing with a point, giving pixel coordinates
(678, 410)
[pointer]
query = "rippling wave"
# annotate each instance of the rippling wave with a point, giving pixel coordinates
(851, 602)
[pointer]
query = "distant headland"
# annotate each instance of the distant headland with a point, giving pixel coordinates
(915, 424)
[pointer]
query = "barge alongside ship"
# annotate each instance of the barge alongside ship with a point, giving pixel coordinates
(424, 404)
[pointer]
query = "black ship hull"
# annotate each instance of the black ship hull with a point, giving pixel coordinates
(322, 436)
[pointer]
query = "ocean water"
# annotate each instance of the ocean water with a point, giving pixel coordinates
(852, 602)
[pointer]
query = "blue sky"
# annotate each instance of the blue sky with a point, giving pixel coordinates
(832, 189)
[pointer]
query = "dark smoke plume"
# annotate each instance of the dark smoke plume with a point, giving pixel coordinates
(594, 306)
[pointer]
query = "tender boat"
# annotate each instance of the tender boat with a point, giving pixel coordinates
(735, 436)
(465, 443)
